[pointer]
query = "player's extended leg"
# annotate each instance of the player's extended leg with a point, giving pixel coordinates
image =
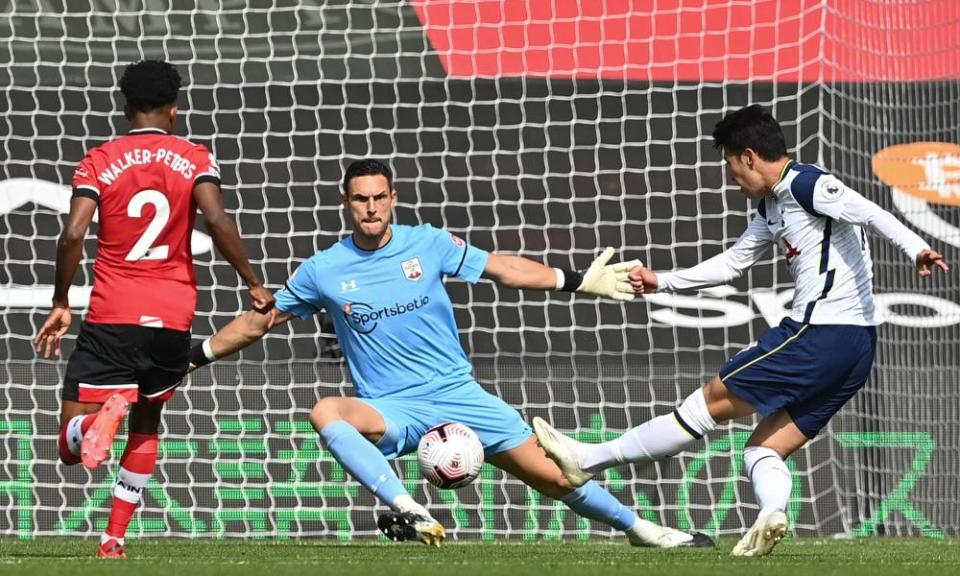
(655, 439)
(529, 463)
(773, 440)
(137, 464)
(350, 428)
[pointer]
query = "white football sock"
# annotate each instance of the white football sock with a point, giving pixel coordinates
(405, 503)
(129, 485)
(104, 538)
(655, 439)
(770, 478)
(75, 433)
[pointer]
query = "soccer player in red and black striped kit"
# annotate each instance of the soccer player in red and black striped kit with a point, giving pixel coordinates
(132, 349)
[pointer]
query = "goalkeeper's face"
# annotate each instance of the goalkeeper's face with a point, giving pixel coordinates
(370, 202)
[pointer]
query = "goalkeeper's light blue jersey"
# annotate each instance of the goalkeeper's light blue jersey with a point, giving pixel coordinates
(393, 317)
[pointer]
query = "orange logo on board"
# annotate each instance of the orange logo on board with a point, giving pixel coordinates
(929, 171)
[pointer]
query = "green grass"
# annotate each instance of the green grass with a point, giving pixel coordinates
(868, 557)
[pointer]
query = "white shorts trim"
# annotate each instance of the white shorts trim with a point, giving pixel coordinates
(108, 386)
(164, 391)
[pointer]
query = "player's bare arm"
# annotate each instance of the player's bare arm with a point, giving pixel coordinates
(69, 253)
(227, 240)
(519, 272)
(241, 332)
(601, 279)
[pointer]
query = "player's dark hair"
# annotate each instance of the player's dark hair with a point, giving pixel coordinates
(366, 167)
(150, 84)
(751, 127)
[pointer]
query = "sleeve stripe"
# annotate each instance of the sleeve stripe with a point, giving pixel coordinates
(827, 285)
(86, 192)
(286, 286)
(206, 178)
(462, 259)
(825, 247)
(88, 187)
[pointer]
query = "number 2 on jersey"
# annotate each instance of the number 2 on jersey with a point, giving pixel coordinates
(144, 249)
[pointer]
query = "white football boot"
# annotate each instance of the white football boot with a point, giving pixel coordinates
(563, 450)
(648, 534)
(762, 536)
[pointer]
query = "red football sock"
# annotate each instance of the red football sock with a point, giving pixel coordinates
(63, 445)
(136, 466)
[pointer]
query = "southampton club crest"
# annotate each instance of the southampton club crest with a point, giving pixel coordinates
(412, 270)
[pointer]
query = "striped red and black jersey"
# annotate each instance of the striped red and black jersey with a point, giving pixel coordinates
(143, 183)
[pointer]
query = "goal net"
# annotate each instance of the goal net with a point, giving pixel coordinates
(547, 129)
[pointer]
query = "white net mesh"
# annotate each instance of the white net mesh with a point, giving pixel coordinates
(524, 129)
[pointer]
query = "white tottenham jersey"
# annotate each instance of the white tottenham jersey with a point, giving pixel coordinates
(819, 223)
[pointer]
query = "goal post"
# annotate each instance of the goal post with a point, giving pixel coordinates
(547, 129)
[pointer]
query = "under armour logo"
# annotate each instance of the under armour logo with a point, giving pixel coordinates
(348, 286)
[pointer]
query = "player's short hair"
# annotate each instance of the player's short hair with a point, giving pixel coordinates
(366, 167)
(150, 84)
(751, 127)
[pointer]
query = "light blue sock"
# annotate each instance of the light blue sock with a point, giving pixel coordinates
(593, 502)
(363, 461)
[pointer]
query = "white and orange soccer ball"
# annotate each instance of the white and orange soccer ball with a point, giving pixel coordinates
(450, 455)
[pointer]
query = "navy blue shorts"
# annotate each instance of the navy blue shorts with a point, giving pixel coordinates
(808, 370)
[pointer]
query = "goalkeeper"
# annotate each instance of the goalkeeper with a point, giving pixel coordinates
(800, 373)
(383, 288)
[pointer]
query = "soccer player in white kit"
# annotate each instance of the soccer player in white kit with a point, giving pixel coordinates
(800, 373)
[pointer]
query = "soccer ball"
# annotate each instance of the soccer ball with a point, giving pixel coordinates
(450, 455)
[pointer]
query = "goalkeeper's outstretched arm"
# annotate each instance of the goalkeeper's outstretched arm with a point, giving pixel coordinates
(601, 279)
(243, 331)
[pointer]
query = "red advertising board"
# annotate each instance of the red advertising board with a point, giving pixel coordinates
(697, 40)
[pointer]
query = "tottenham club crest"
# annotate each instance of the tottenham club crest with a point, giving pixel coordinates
(412, 270)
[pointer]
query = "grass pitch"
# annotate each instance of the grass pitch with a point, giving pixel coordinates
(869, 557)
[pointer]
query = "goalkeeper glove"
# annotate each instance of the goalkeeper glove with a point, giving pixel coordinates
(601, 279)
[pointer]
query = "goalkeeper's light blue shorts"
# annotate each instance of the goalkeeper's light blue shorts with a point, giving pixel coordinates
(498, 425)
(808, 370)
